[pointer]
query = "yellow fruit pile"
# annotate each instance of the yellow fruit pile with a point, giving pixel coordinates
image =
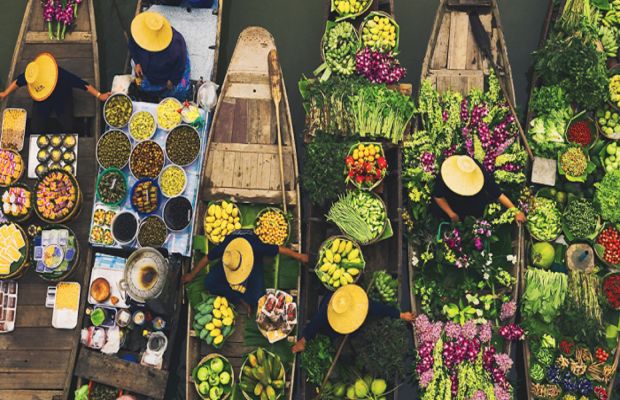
(367, 152)
(340, 264)
(379, 33)
(214, 320)
(350, 7)
(221, 220)
(272, 227)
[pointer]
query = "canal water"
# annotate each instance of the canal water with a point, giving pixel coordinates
(297, 26)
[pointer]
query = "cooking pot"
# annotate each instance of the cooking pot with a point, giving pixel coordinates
(145, 274)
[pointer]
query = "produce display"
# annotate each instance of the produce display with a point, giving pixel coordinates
(611, 157)
(214, 378)
(113, 150)
(360, 215)
(276, 315)
(190, 113)
(147, 160)
(152, 232)
(581, 132)
(178, 213)
(365, 165)
(168, 115)
(574, 164)
(17, 202)
(606, 196)
(117, 110)
(380, 32)
(262, 372)
(544, 219)
(183, 145)
(609, 121)
(214, 320)
(385, 288)
(112, 187)
(222, 218)
(379, 67)
(608, 245)
(614, 90)
(14, 249)
(611, 290)
(100, 231)
(340, 44)
(57, 196)
(142, 125)
(13, 128)
(145, 196)
(350, 8)
(340, 263)
(11, 167)
(172, 181)
(272, 226)
(580, 220)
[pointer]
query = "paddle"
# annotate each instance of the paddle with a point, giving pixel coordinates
(276, 93)
(484, 42)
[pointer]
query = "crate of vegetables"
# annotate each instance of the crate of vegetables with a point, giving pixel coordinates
(214, 377)
(262, 376)
(379, 31)
(365, 165)
(272, 226)
(340, 263)
(608, 121)
(339, 45)
(360, 215)
(580, 220)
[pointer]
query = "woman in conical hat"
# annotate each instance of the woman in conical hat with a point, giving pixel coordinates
(463, 189)
(160, 57)
(343, 312)
(51, 89)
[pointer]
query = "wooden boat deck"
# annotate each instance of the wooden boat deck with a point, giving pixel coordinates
(242, 164)
(77, 53)
(454, 62)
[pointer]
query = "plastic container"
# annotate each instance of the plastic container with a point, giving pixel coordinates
(66, 305)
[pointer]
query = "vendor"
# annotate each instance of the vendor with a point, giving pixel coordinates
(463, 189)
(239, 276)
(50, 86)
(160, 57)
(344, 312)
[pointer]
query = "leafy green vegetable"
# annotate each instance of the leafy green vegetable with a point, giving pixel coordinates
(322, 174)
(580, 220)
(548, 99)
(360, 215)
(543, 220)
(544, 295)
(317, 358)
(380, 347)
(607, 197)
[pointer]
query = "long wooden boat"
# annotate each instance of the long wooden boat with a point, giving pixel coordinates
(553, 12)
(37, 359)
(94, 366)
(455, 62)
(242, 164)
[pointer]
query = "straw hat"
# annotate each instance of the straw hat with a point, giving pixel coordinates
(347, 309)
(462, 175)
(238, 261)
(151, 31)
(41, 76)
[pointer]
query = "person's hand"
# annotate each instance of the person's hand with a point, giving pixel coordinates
(3, 95)
(138, 70)
(520, 218)
(169, 85)
(454, 217)
(304, 258)
(407, 316)
(187, 278)
(300, 346)
(105, 96)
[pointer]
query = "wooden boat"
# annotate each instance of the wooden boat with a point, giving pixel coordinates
(553, 11)
(455, 62)
(78, 53)
(243, 165)
(37, 359)
(94, 366)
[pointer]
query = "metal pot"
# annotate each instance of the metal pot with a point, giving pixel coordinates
(145, 274)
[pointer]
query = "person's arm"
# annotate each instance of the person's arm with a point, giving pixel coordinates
(6, 92)
(445, 207)
(506, 202)
(301, 257)
(379, 310)
(79, 83)
(100, 96)
(199, 267)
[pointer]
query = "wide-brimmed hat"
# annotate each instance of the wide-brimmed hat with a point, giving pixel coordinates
(151, 31)
(238, 261)
(42, 76)
(462, 175)
(347, 309)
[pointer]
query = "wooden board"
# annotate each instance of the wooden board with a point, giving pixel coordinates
(242, 164)
(77, 53)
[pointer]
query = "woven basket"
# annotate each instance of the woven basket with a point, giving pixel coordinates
(207, 358)
(350, 153)
(381, 14)
(280, 393)
(327, 241)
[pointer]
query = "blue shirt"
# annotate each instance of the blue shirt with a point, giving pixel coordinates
(62, 92)
(162, 66)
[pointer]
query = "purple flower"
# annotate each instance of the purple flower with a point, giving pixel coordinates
(453, 331)
(378, 67)
(508, 310)
(478, 245)
(426, 378)
(512, 332)
(486, 333)
(479, 395)
(501, 393)
(504, 362)
(469, 330)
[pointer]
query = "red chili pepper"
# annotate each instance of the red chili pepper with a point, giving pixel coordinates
(579, 132)
(610, 240)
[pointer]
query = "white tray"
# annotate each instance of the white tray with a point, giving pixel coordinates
(33, 149)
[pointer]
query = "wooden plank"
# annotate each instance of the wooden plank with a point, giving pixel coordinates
(457, 49)
(240, 122)
(274, 180)
(32, 294)
(473, 55)
(229, 168)
(66, 50)
(263, 179)
(289, 179)
(248, 148)
(469, 3)
(40, 339)
(249, 166)
(33, 316)
(461, 80)
(50, 380)
(222, 125)
(37, 22)
(239, 170)
(440, 52)
(33, 360)
(250, 195)
(31, 394)
(215, 178)
(258, 91)
(122, 374)
(71, 37)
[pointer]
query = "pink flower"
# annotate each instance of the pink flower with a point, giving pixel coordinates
(501, 393)
(469, 330)
(426, 378)
(453, 330)
(504, 362)
(508, 310)
(479, 395)
(486, 333)
(512, 332)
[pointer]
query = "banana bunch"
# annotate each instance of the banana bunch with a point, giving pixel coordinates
(385, 288)
(340, 44)
(214, 320)
(609, 40)
(262, 376)
(340, 264)
(221, 220)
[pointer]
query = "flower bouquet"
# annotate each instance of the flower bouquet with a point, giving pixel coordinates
(63, 13)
